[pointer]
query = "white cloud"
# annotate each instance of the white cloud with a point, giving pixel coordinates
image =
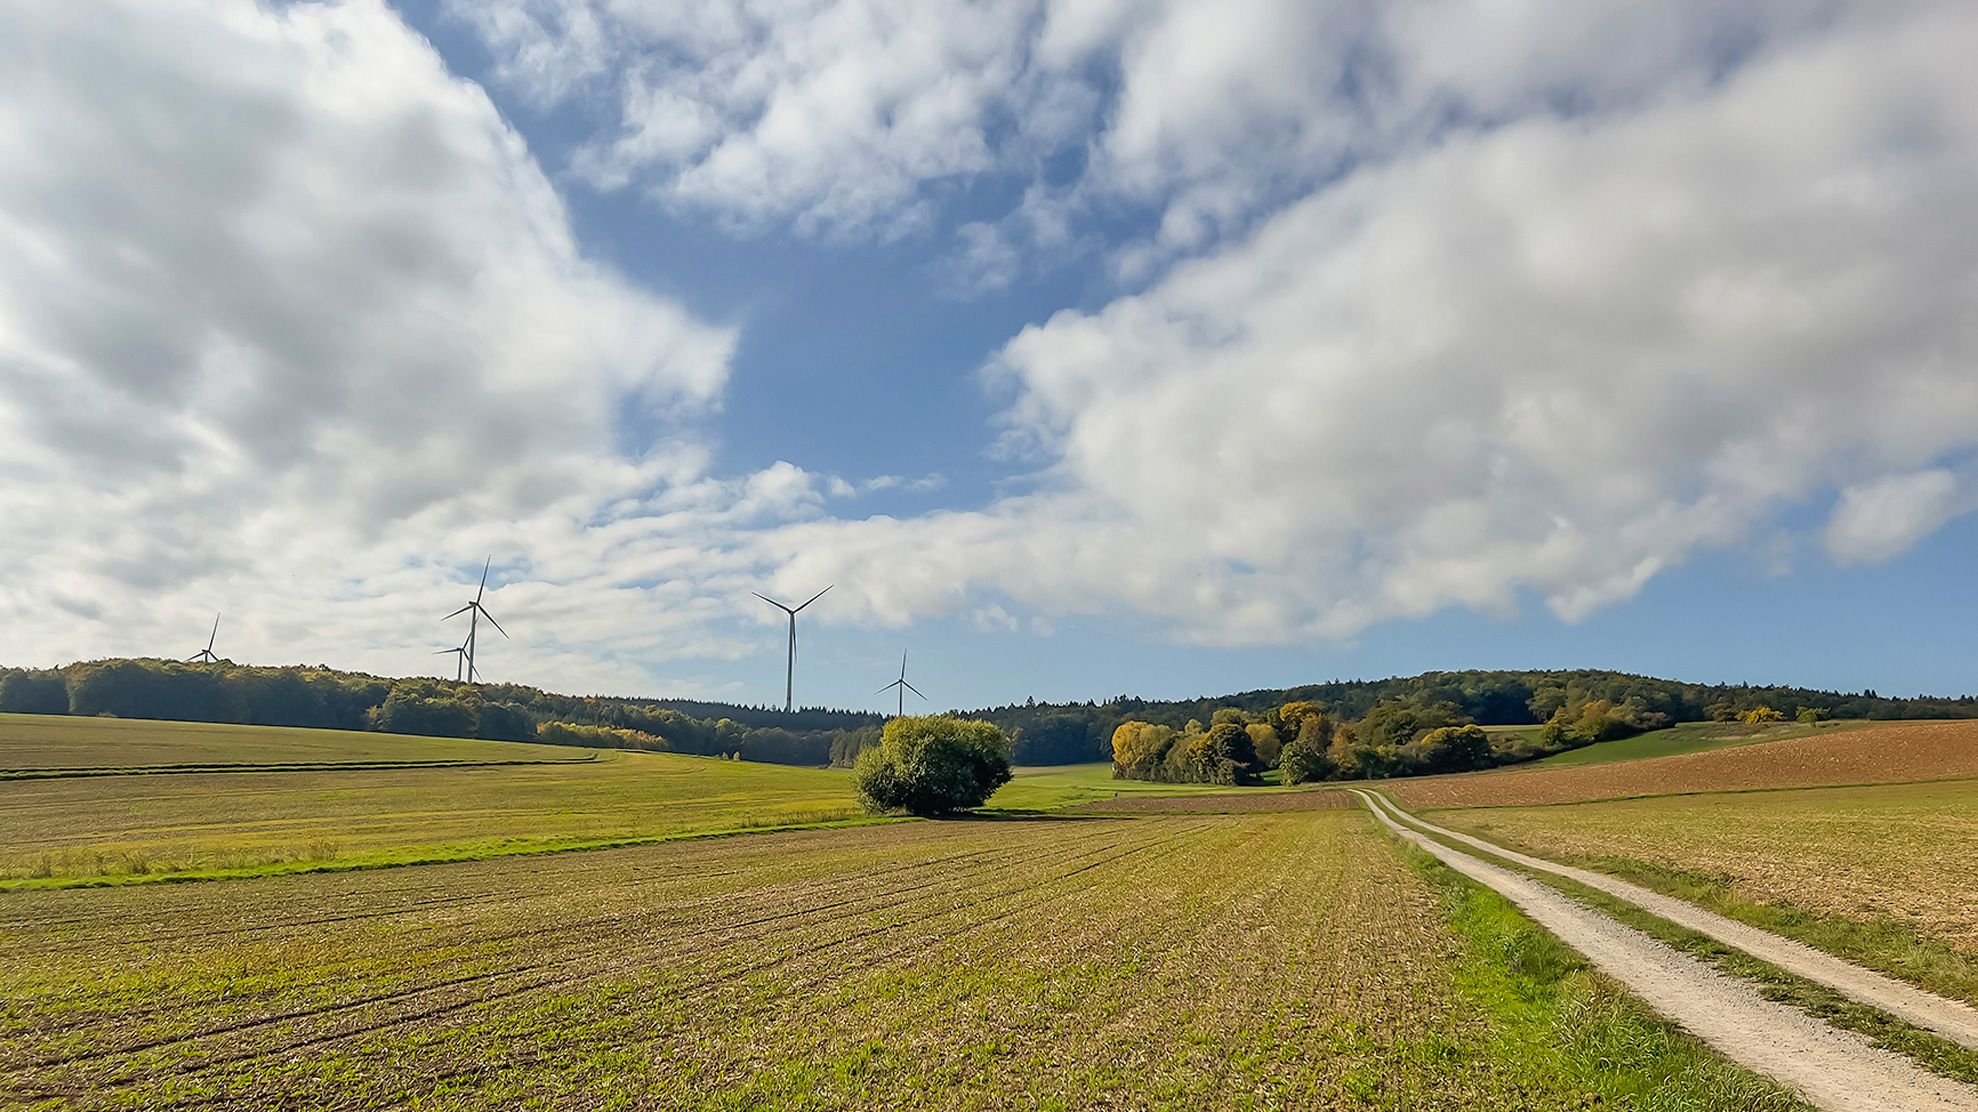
(852, 118)
(292, 326)
(1881, 518)
(1555, 356)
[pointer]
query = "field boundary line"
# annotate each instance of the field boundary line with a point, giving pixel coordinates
(1833, 1069)
(1953, 1020)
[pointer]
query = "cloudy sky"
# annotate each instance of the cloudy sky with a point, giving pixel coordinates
(1087, 346)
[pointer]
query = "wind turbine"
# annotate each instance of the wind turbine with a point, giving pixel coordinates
(206, 655)
(903, 687)
(460, 658)
(790, 672)
(475, 612)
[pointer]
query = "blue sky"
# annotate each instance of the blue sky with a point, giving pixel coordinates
(1089, 348)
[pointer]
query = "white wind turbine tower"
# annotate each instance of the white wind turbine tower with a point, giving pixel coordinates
(903, 686)
(790, 671)
(475, 612)
(206, 655)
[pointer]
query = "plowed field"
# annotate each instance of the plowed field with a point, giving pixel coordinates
(1878, 754)
(1291, 961)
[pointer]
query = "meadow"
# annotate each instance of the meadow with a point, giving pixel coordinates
(1052, 787)
(1287, 960)
(283, 806)
(43, 744)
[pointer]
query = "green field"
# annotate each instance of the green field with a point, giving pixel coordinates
(44, 743)
(1688, 737)
(170, 823)
(202, 800)
(1053, 787)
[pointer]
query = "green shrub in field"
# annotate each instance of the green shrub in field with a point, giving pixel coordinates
(932, 766)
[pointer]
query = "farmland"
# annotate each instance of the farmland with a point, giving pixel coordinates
(1880, 753)
(38, 743)
(1877, 872)
(1052, 787)
(1084, 942)
(1901, 856)
(1200, 961)
(1687, 737)
(391, 808)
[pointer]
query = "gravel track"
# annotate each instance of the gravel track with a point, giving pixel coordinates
(1830, 1068)
(1952, 1019)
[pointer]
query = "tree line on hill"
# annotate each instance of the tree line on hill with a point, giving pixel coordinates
(1591, 704)
(1391, 720)
(330, 699)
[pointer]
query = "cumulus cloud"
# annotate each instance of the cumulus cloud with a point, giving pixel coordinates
(292, 325)
(860, 117)
(1429, 310)
(1546, 356)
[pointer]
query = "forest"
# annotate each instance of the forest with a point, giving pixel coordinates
(1392, 726)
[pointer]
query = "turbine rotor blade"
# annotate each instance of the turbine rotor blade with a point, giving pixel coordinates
(484, 577)
(459, 612)
(492, 622)
(912, 688)
(814, 598)
(772, 602)
(887, 688)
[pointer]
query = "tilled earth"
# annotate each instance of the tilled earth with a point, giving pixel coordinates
(1288, 960)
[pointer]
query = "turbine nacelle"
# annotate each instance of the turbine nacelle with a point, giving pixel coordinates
(475, 612)
(207, 655)
(902, 686)
(790, 669)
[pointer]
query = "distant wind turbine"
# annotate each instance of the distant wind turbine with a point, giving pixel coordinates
(790, 672)
(903, 687)
(460, 659)
(205, 655)
(475, 612)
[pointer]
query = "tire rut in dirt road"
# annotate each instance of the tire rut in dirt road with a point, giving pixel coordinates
(1831, 1068)
(1954, 1020)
